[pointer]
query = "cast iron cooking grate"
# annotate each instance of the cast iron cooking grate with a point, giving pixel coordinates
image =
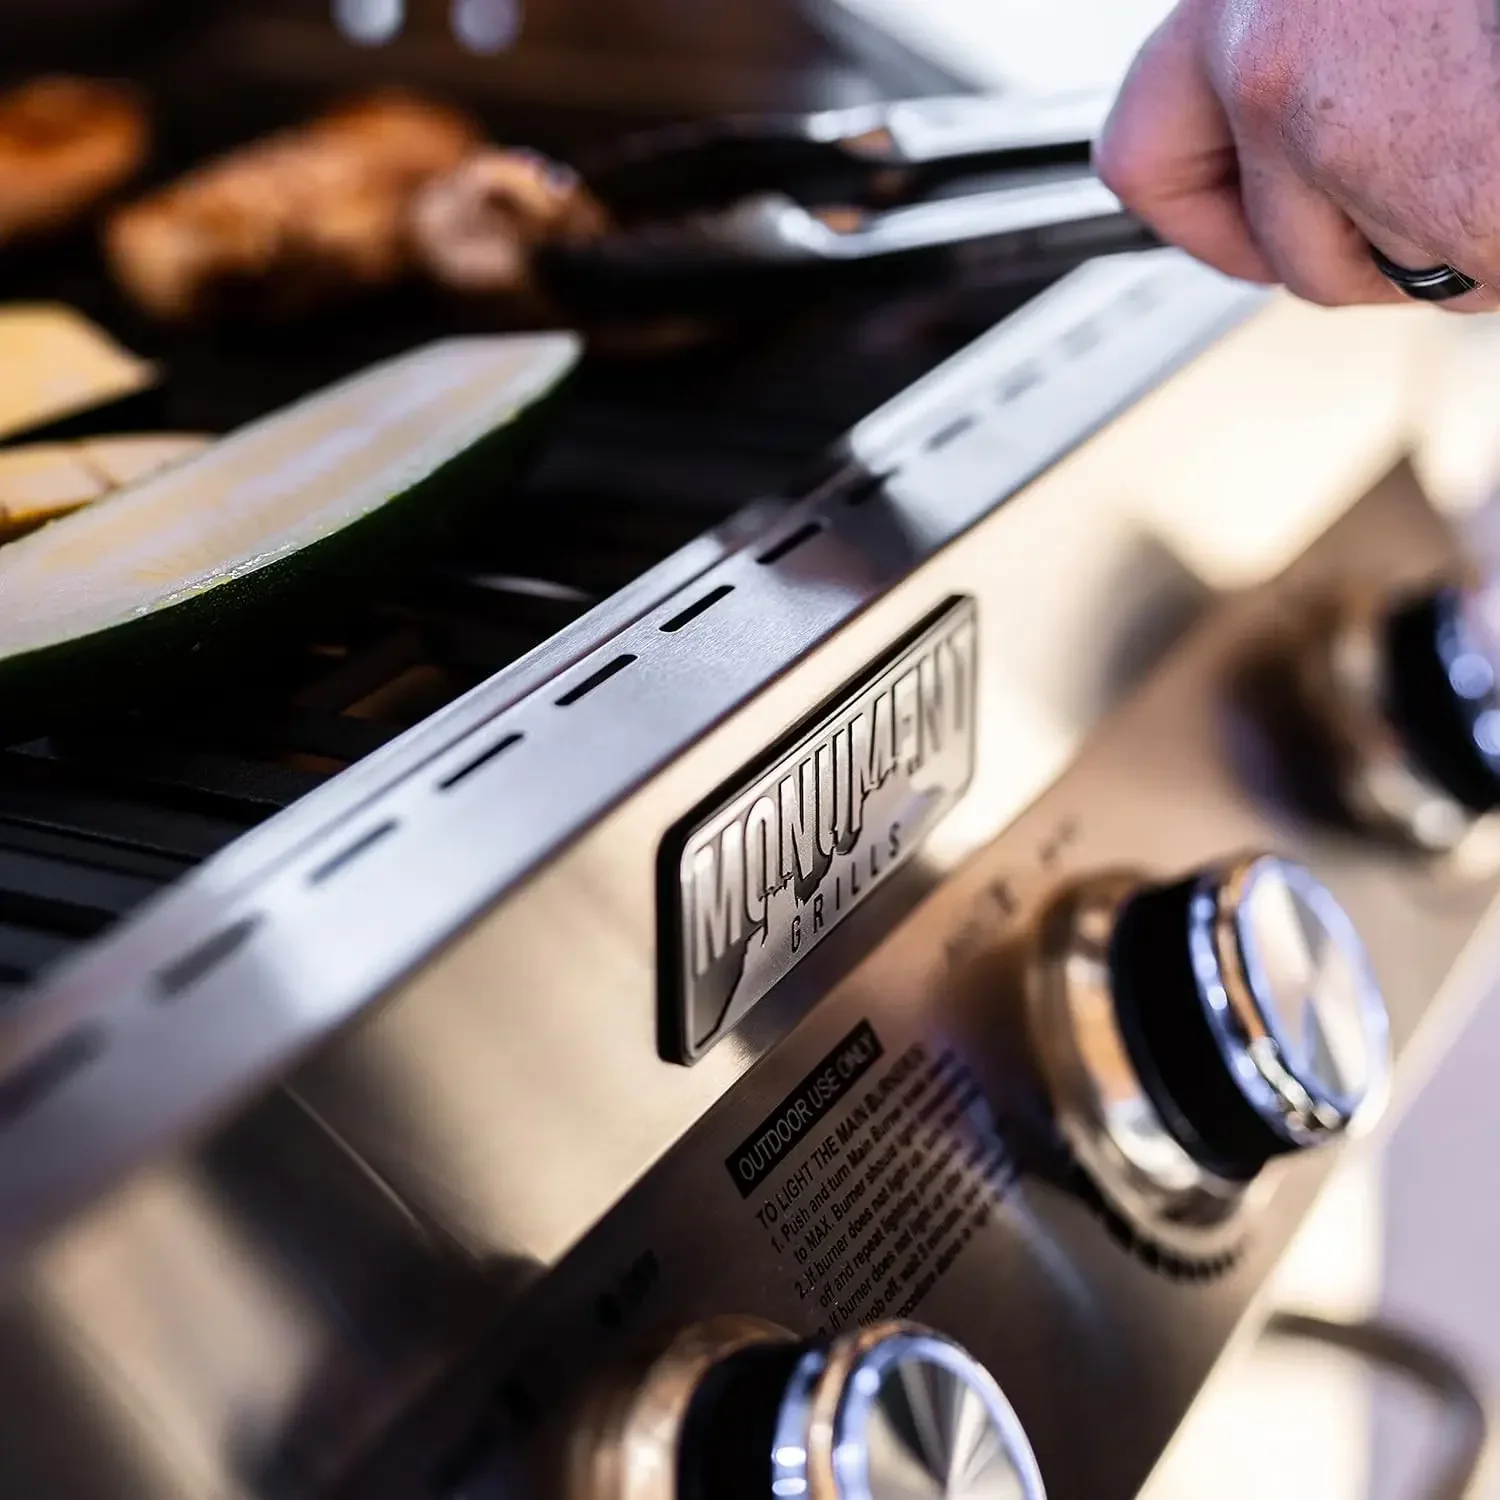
(647, 455)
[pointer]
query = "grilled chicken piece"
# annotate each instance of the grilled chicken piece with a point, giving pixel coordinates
(476, 228)
(292, 222)
(43, 481)
(66, 144)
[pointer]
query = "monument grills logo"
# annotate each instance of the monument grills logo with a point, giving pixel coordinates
(768, 876)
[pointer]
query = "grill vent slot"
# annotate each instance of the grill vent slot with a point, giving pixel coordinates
(47, 1073)
(207, 956)
(702, 607)
(1017, 383)
(1080, 340)
(480, 761)
(788, 545)
(347, 856)
(952, 432)
(587, 686)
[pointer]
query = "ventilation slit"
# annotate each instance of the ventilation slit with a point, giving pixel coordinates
(951, 433)
(703, 605)
(786, 547)
(1081, 339)
(599, 678)
(1017, 383)
(45, 1074)
(191, 967)
(347, 856)
(480, 761)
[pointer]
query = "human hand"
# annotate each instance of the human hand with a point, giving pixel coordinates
(1277, 140)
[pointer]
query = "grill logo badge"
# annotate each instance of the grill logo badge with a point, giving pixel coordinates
(772, 871)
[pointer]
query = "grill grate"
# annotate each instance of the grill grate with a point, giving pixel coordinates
(94, 823)
(647, 455)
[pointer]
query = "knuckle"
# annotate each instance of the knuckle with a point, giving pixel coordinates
(1274, 98)
(1263, 79)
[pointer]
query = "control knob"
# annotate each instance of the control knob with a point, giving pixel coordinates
(737, 1410)
(1196, 1029)
(1411, 692)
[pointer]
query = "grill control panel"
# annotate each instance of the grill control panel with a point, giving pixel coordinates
(1049, 1137)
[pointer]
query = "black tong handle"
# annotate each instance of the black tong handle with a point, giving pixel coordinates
(699, 165)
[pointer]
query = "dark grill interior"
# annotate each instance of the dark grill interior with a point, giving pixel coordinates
(647, 454)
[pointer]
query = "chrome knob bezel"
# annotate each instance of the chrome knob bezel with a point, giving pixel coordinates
(1106, 1114)
(1261, 1058)
(1133, 1142)
(823, 1448)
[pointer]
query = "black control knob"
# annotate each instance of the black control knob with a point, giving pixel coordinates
(1249, 1011)
(1442, 689)
(893, 1412)
(1407, 694)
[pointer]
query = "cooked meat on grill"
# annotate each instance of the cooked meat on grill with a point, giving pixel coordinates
(65, 145)
(289, 223)
(476, 228)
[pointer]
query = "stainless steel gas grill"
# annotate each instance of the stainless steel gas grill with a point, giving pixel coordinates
(637, 1030)
(829, 954)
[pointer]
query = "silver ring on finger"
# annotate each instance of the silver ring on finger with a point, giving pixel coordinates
(1434, 284)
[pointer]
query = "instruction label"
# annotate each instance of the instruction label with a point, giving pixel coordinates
(890, 1175)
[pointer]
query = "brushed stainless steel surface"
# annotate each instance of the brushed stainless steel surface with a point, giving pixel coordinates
(184, 1013)
(493, 1115)
(240, 1324)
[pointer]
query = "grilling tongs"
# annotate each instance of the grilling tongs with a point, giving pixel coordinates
(864, 186)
